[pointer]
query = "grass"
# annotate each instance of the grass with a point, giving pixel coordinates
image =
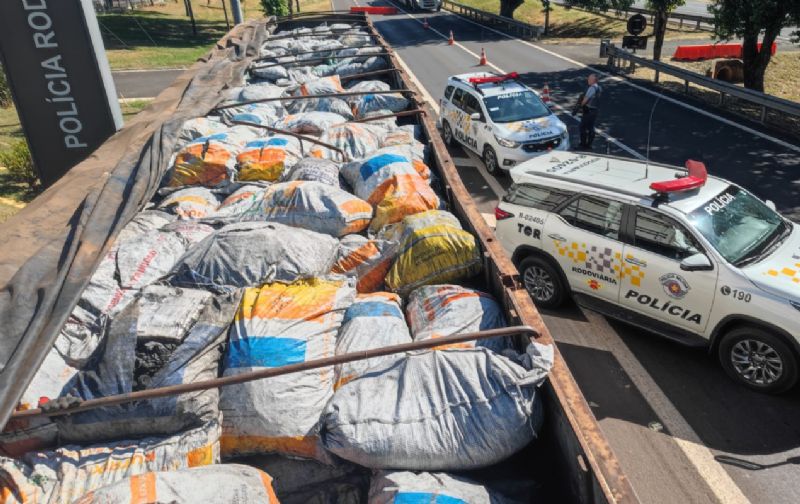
(161, 36)
(782, 80)
(573, 25)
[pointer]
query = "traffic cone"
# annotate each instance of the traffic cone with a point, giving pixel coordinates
(546, 93)
(451, 41)
(425, 24)
(483, 57)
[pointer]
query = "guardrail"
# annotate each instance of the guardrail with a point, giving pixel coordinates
(675, 17)
(523, 30)
(765, 101)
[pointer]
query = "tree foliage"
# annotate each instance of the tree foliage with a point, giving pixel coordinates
(275, 7)
(18, 162)
(746, 19)
(662, 8)
(5, 91)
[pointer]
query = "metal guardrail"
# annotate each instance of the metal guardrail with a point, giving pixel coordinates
(523, 30)
(765, 101)
(675, 17)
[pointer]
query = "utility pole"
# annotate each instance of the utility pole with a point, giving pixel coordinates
(236, 10)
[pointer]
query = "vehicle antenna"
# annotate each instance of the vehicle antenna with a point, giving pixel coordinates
(649, 131)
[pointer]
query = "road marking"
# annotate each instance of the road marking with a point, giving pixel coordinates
(636, 86)
(715, 476)
(602, 133)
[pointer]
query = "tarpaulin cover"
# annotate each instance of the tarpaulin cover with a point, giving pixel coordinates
(66, 229)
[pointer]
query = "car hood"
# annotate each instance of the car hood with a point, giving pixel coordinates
(779, 274)
(531, 130)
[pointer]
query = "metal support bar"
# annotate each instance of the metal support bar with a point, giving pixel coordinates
(318, 60)
(261, 374)
(396, 114)
(301, 53)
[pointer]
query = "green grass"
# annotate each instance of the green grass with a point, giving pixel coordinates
(10, 129)
(573, 25)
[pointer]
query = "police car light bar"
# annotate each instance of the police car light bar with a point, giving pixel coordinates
(696, 177)
(493, 79)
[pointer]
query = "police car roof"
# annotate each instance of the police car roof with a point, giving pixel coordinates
(491, 88)
(625, 178)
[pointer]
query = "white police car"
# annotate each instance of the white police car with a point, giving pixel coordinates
(691, 257)
(500, 119)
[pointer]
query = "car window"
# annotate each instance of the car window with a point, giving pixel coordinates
(448, 92)
(534, 196)
(597, 215)
(470, 104)
(457, 97)
(663, 235)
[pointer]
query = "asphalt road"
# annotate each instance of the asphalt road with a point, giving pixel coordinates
(143, 83)
(682, 430)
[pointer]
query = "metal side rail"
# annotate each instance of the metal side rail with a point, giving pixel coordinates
(523, 30)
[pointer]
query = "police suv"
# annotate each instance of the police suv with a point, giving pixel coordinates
(500, 119)
(694, 258)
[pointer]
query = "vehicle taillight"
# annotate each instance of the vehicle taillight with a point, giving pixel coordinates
(502, 214)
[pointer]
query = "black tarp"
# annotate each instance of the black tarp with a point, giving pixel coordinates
(50, 249)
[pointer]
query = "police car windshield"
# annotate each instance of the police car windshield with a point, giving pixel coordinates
(737, 224)
(516, 106)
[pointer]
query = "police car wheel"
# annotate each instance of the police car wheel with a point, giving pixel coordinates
(490, 160)
(447, 134)
(758, 359)
(542, 282)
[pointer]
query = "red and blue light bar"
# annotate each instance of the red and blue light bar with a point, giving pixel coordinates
(695, 179)
(493, 79)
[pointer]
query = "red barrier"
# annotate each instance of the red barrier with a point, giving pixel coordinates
(711, 51)
(375, 10)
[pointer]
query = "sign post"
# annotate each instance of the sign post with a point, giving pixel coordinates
(60, 80)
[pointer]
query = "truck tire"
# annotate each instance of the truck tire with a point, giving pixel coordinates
(543, 282)
(758, 359)
(491, 162)
(447, 134)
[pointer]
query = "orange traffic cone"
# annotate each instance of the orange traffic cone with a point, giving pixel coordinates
(546, 93)
(451, 41)
(425, 24)
(483, 57)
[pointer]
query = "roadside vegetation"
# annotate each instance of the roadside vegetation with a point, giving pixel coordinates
(569, 25)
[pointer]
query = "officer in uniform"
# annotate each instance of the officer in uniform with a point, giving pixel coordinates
(587, 105)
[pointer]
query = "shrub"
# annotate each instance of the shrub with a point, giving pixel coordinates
(274, 7)
(18, 162)
(5, 91)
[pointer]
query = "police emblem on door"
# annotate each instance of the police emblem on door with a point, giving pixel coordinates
(674, 285)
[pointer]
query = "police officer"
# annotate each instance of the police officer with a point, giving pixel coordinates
(588, 105)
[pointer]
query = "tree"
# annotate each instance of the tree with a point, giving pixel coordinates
(274, 7)
(661, 8)
(507, 7)
(746, 19)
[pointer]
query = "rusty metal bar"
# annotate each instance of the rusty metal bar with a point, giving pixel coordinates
(264, 58)
(369, 74)
(309, 97)
(296, 135)
(315, 35)
(278, 371)
(326, 58)
(387, 116)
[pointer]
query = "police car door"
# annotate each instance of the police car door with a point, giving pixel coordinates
(584, 238)
(467, 130)
(653, 283)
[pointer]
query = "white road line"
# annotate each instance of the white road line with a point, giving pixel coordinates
(602, 133)
(640, 88)
(720, 482)
(715, 476)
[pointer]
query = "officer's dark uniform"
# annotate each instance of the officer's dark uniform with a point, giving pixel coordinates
(589, 115)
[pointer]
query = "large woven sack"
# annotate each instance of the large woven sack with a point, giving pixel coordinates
(310, 123)
(190, 203)
(313, 170)
(373, 321)
(277, 325)
(218, 484)
(252, 253)
(267, 158)
(433, 249)
(437, 410)
(167, 336)
(368, 260)
(65, 474)
(435, 311)
(440, 488)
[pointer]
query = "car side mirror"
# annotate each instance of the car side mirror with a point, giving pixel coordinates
(770, 205)
(476, 116)
(697, 262)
